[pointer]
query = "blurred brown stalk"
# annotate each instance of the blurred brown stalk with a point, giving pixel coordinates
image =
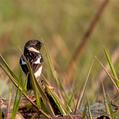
(71, 68)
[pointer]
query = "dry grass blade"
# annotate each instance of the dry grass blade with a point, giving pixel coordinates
(84, 112)
(107, 103)
(89, 111)
(78, 116)
(108, 74)
(80, 97)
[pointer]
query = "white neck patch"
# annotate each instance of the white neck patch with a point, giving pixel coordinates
(38, 72)
(33, 50)
(38, 61)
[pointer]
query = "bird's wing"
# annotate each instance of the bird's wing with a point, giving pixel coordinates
(23, 65)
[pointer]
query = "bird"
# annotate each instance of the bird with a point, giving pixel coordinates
(33, 55)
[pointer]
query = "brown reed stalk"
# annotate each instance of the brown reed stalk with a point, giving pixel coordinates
(76, 56)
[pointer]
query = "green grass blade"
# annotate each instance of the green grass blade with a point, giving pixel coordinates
(89, 111)
(16, 103)
(71, 102)
(13, 80)
(36, 92)
(8, 68)
(25, 94)
(12, 77)
(111, 66)
(39, 91)
(22, 80)
(17, 97)
(113, 81)
(0, 114)
(57, 101)
(58, 82)
(52, 69)
(84, 112)
(108, 105)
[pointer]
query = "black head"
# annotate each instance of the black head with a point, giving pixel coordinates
(33, 45)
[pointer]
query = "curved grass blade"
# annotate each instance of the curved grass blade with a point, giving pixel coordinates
(9, 70)
(107, 103)
(39, 91)
(12, 77)
(52, 69)
(88, 110)
(80, 97)
(84, 112)
(110, 76)
(58, 82)
(18, 96)
(57, 101)
(16, 103)
(112, 67)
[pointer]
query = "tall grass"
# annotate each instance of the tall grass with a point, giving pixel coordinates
(40, 93)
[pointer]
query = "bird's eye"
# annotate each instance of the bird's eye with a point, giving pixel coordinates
(38, 45)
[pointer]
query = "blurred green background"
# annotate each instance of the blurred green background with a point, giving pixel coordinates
(60, 24)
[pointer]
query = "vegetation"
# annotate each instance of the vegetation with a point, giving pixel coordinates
(90, 84)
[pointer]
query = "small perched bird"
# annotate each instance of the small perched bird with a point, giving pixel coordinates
(33, 56)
